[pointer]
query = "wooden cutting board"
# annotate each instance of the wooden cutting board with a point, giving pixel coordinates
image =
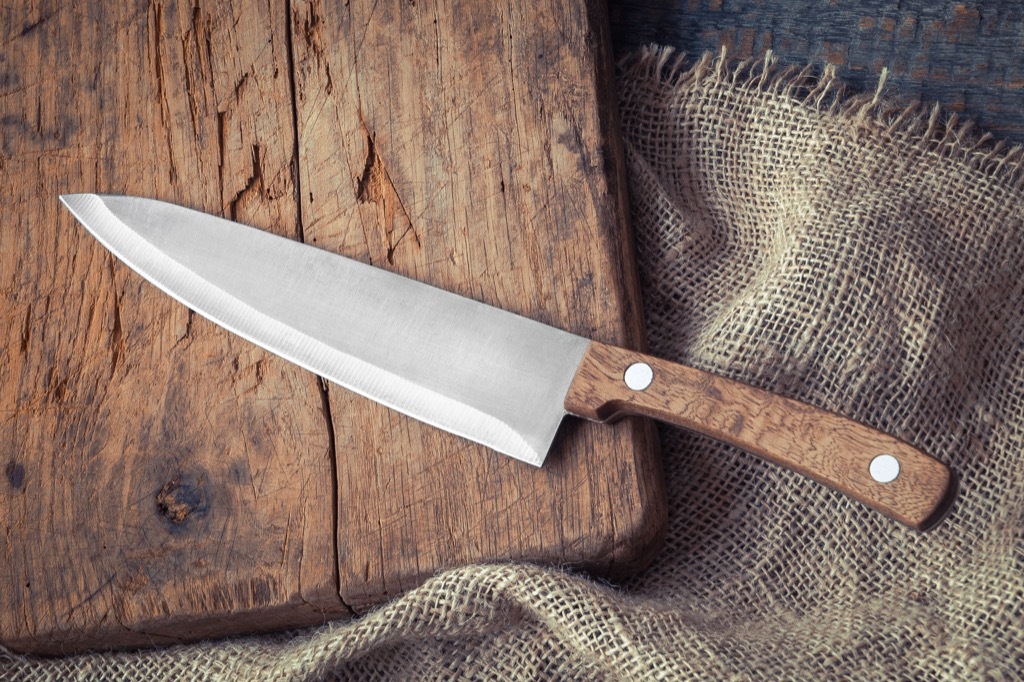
(166, 481)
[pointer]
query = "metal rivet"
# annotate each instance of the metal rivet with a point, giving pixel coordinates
(885, 468)
(639, 376)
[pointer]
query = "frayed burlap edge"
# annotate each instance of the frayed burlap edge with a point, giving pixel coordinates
(927, 128)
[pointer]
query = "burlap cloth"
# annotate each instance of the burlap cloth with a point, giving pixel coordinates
(862, 257)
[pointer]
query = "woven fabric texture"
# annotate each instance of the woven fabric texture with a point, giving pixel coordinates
(862, 257)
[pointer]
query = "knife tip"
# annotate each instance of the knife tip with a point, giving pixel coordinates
(69, 199)
(79, 204)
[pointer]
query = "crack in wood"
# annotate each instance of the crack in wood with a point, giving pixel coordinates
(158, 65)
(253, 183)
(187, 334)
(311, 35)
(26, 331)
(375, 186)
(221, 132)
(116, 343)
(196, 61)
(290, 22)
(369, 187)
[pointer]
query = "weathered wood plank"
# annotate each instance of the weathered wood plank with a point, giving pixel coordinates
(475, 147)
(164, 480)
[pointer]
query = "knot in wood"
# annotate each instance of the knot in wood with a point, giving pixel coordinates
(179, 500)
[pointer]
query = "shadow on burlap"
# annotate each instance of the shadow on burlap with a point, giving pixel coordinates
(864, 258)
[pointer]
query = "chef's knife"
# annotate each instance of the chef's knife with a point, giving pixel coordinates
(480, 372)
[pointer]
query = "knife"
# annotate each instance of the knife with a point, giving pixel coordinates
(480, 372)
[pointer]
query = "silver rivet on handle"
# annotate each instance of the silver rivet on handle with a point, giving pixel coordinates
(884, 468)
(638, 376)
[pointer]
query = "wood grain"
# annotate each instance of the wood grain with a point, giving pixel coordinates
(475, 147)
(166, 481)
(819, 444)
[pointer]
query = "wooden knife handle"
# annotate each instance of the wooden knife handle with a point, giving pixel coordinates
(839, 452)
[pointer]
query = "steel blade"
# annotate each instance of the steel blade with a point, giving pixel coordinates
(477, 371)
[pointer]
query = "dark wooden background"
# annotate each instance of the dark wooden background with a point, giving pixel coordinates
(967, 56)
